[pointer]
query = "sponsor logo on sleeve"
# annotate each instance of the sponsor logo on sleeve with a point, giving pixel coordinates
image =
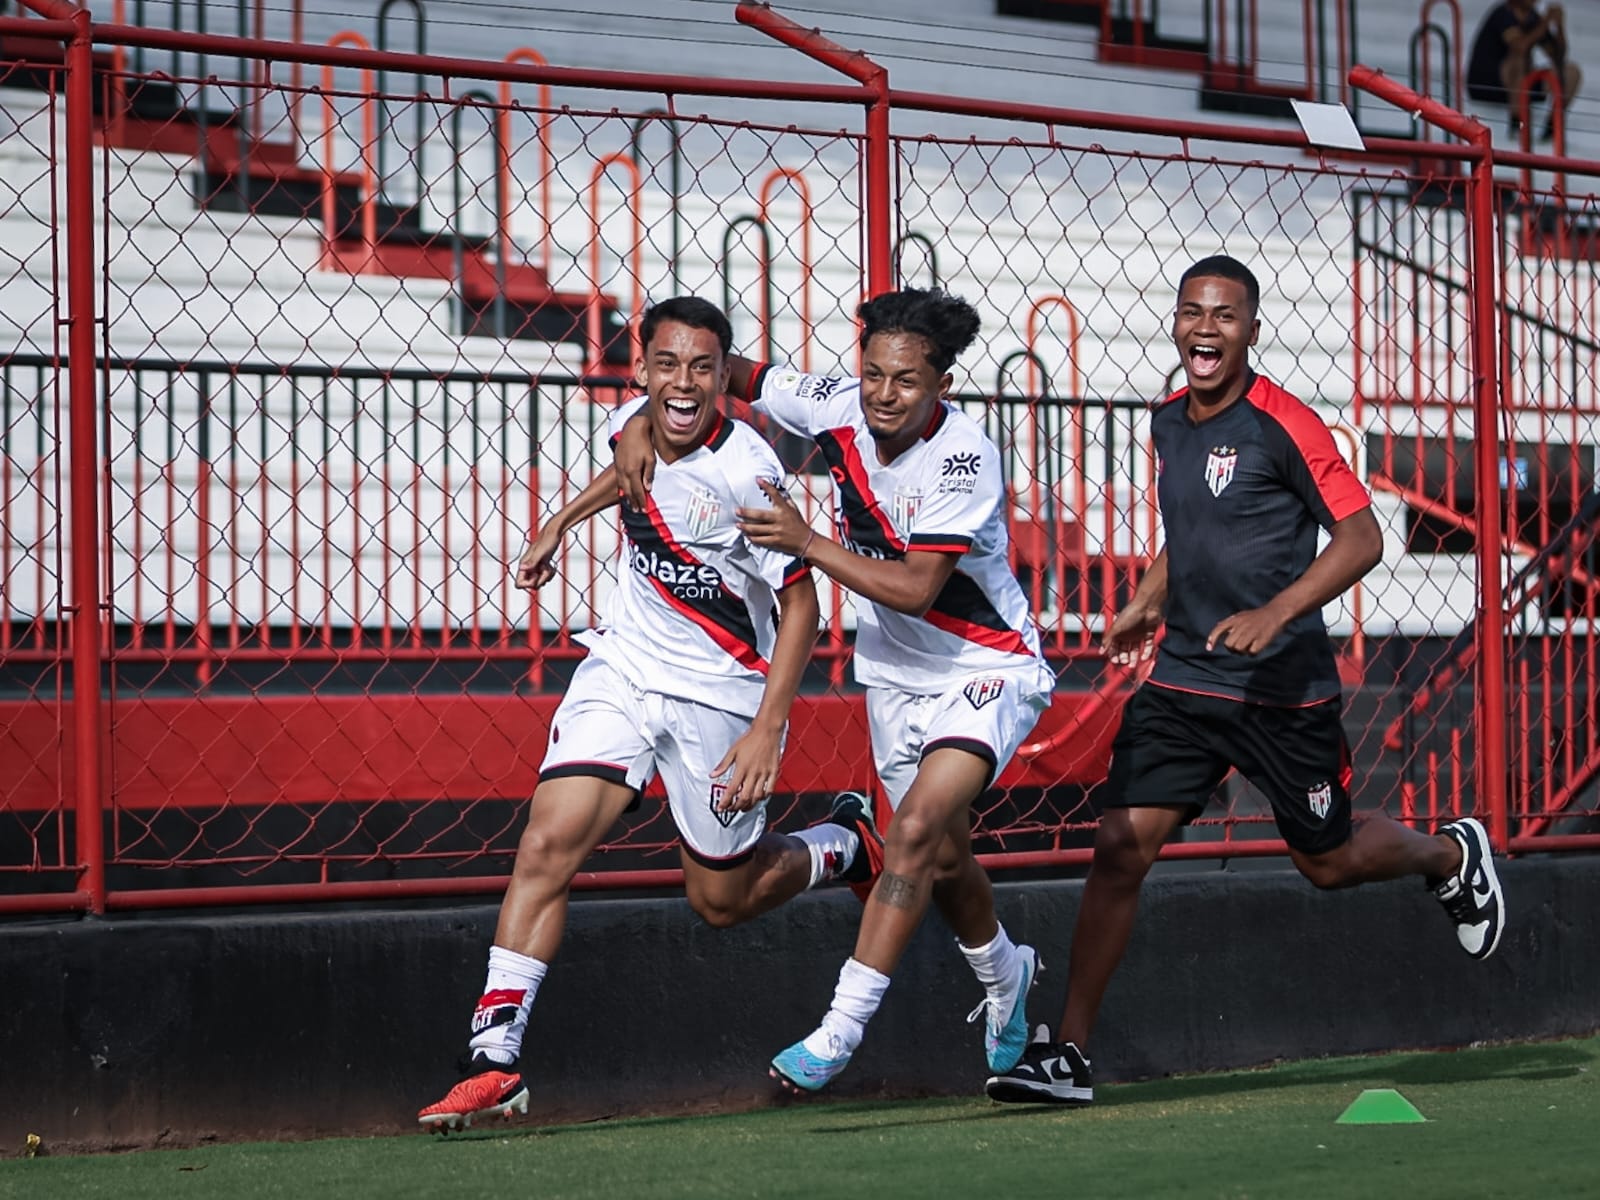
(959, 473)
(817, 388)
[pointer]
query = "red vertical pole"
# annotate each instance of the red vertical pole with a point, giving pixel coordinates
(1489, 699)
(84, 458)
(880, 240)
(1491, 692)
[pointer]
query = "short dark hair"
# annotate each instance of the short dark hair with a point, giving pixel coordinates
(686, 310)
(1220, 266)
(948, 323)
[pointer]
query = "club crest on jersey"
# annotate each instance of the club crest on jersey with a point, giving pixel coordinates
(725, 819)
(1220, 464)
(1321, 799)
(700, 512)
(980, 691)
(903, 509)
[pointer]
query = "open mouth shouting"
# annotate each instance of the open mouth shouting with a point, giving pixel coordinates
(680, 415)
(1204, 360)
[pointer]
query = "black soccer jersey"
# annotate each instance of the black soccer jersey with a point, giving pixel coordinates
(1242, 494)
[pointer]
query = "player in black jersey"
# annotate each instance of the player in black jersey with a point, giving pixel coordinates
(1244, 678)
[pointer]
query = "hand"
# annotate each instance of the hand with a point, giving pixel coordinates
(536, 566)
(780, 527)
(635, 460)
(1132, 636)
(1248, 632)
(754, 759)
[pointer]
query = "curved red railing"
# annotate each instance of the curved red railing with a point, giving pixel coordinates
(1453, 63)
(369, 137)
(532, 57)
(635, 257)
(797, 180)
(1558, 119)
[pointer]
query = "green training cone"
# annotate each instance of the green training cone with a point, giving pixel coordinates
(1380, 1106)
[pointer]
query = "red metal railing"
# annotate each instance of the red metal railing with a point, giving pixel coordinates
(280, 757)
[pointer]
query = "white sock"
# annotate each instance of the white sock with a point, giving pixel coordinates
(501, 1017)
(832, 847)
(996, 964)
(857, 997)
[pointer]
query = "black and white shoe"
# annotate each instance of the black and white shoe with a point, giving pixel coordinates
(1472, 896)
(1047, 1073)
(854, 811)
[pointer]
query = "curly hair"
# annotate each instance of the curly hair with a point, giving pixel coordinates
(947, 323)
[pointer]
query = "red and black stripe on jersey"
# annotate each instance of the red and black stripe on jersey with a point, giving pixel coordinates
(861, 517)
(722, 615)
(962, 608)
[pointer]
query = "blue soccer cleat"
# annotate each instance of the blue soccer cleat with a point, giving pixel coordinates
(799, 1070)
(1005, 1032)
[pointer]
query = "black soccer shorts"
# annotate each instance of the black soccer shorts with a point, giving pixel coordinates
(1175, 747)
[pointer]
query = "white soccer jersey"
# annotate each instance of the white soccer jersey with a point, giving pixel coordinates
(692, 614)
(945, 493)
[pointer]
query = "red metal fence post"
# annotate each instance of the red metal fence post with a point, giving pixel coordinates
(880, 238)
(83, 451)
(1483, 278)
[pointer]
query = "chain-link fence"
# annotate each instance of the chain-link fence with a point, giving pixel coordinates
(360, 334)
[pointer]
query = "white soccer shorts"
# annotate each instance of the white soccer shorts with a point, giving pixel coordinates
(608, 728)
(988, 715)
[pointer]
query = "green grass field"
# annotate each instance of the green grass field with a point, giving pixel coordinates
(1504, 1121)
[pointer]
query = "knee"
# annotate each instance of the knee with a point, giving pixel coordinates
(913, 840)
(1118, 855)
(716, 913)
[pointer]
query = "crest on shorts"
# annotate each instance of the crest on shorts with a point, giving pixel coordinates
(700, 512)
(725, 819)
(980, 691)
(1220, 464)
(1321, 800)
(903, 509)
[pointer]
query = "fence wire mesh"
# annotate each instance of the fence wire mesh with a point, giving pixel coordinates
(361, 334)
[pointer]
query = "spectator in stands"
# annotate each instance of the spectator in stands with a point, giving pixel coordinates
(946, 648)
(692, 677)
(1502, 58)
(1245, 677)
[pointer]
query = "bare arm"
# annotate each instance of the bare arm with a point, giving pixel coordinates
(909, 586)
(756, 756)
(1356, 546)
(1131, 637)
(536, 567)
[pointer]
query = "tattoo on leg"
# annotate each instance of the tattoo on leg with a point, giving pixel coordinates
(897, 891)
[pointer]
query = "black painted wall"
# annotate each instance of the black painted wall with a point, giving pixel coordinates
(179, 1028)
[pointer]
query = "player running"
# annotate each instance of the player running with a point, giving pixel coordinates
(691, 677)
(1245, 677)
(945, 648)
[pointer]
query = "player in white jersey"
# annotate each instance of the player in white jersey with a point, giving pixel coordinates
(945, 648)
(691, 677)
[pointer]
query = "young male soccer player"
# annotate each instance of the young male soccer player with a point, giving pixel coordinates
(945, 648)
(1245, 676)
(690, 678)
